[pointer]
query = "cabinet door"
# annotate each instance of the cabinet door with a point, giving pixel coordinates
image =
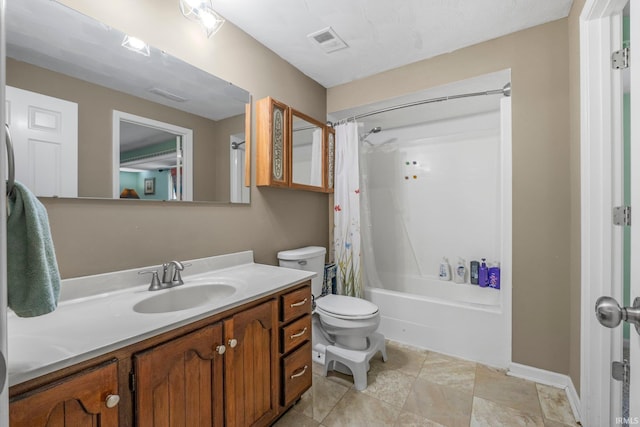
(251, 380)
(272, 143)
(180, 383)
(330, 159)
(85, 399)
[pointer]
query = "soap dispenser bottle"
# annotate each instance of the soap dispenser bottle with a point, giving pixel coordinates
(460, 274)
(483, 274)
(445, 270)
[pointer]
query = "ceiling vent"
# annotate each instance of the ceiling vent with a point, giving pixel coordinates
(328, 40)
(166, 94)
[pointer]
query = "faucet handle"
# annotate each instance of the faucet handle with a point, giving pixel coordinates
(176, 280)
(155, 281)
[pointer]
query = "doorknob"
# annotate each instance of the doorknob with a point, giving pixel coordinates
(610, 314)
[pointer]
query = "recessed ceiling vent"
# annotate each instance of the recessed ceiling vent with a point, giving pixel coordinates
(328, 40)
(166, 94)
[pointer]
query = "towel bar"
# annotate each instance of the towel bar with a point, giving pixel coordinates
(10, 161)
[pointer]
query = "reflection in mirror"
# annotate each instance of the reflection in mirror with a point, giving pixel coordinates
(56, 52)
(307, 149)
(149, 149)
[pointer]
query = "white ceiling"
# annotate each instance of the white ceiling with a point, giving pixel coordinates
(381, 34)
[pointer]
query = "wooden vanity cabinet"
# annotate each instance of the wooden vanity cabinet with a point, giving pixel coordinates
(88, 398)
(223, 370)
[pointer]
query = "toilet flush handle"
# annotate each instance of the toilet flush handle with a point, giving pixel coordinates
(302, 262)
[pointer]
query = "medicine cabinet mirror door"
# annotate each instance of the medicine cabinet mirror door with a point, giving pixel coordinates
(308, 152)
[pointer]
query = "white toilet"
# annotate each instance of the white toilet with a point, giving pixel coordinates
(343, 328)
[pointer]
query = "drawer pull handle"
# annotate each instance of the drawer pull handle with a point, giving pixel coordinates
(301, 373)
(299, 334)
(233, 343)
(112, 401)
(299, 303)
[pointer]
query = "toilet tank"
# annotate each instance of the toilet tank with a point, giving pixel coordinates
(310, 258)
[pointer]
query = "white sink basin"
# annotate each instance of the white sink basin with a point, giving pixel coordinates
(177, 299)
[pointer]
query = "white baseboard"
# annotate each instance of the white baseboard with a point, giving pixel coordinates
(549, 378)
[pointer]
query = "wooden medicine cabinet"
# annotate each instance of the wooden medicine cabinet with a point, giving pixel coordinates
(293, 149)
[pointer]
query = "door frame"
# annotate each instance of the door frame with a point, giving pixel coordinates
(601, 136)
(187, 149)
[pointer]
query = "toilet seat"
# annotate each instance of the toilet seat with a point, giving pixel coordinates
(345, 307)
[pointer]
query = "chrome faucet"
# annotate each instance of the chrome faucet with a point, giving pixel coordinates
(171, 274)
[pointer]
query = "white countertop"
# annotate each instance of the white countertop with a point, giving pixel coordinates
(95, 314)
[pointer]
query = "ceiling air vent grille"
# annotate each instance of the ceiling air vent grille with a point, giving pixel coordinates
(328, 40)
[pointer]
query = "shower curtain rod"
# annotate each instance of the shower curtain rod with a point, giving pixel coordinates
(506, 91)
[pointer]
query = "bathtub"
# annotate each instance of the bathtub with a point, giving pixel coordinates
(460, 320)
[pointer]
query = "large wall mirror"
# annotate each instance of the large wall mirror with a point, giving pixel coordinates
(91, 116)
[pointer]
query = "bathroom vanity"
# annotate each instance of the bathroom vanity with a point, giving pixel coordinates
(235, 355)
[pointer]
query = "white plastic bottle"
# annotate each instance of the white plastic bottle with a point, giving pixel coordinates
(460, 273)
(445, 270)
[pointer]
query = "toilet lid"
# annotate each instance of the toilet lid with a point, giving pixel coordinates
(346, 307)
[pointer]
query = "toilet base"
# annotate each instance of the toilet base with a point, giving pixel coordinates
(357, 361)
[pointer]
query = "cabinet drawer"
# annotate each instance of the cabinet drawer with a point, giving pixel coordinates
(294, 334)
(295, 304)
(297, 373)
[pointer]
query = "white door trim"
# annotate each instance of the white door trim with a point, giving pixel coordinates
(600, 100)
(187, 149)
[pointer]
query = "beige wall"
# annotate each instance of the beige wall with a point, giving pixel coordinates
(538, 61)
(574, 138)
(93, 236)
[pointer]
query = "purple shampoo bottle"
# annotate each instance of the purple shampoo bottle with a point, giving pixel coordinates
(483, 274)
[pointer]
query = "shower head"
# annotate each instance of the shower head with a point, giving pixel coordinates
(373, 130)
(236, 145)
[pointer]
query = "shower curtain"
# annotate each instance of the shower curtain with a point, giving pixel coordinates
(347, 211)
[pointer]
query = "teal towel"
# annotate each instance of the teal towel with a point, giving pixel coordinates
(33, 280)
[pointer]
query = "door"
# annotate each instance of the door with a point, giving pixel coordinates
(84, 400)
(44, 132)
(4, 388)
(625, 351)
(180, 383)
(634, 118)
(251, 383)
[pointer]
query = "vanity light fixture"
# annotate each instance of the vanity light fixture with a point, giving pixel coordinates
(136, 45)
(202, 12)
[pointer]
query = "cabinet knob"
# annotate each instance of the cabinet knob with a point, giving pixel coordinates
(112, 400)
(221, 349)
(233, 342)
